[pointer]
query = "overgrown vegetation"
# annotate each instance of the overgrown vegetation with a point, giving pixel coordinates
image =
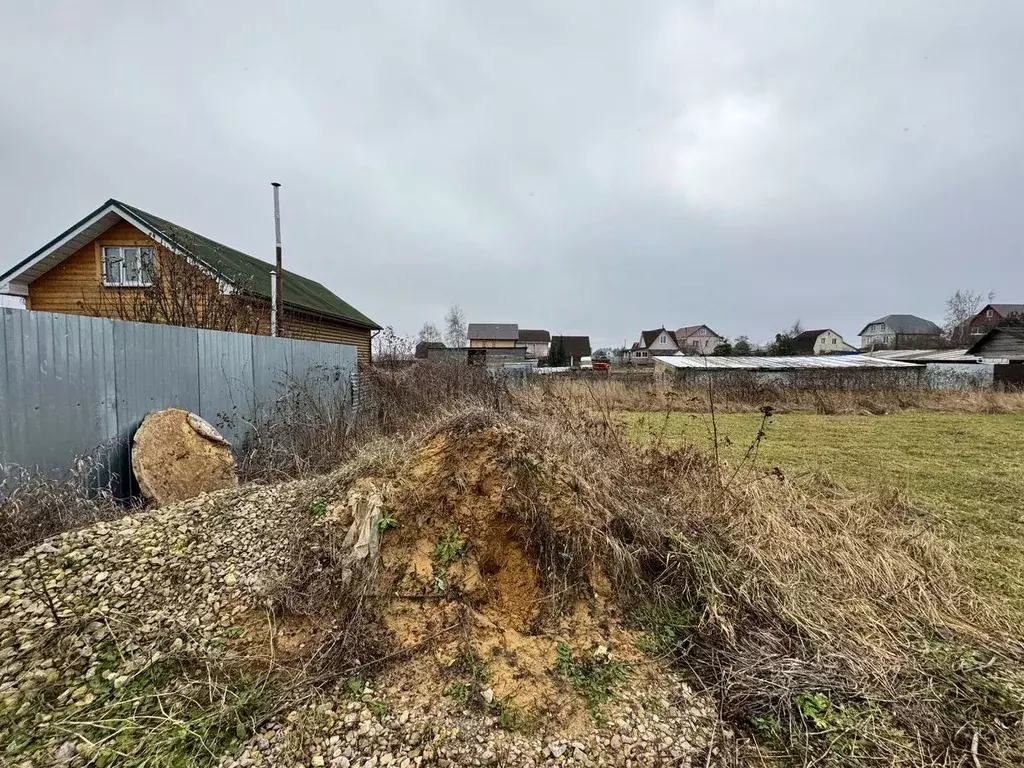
(960, 470)
(34, 506)
(835, 628)
(311, 427)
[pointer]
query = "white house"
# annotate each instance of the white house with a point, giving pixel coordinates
(660, 341)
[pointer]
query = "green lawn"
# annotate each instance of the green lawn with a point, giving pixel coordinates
(968, 468)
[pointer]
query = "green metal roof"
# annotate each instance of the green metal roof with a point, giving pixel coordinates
(249, 274)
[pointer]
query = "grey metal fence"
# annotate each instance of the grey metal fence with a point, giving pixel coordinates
(73, 387)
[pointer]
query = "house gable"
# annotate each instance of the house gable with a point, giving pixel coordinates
(698, 338)
(1000, 342)
(75, 284)
(232, 269)
(658, 340)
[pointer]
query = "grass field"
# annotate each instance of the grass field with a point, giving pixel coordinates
(968, 469)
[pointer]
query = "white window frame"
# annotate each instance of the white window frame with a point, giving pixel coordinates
(124, 283)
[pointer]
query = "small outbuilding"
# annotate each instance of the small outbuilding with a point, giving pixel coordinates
(819, 371)
(1003, 346)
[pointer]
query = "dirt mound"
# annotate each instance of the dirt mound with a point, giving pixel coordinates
(472, 593)
(463, 570)
(530, 573)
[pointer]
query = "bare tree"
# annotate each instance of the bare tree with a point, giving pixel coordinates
(455, 327)
(428, 332)
(390, 348)
(154, 285)
(961, 307)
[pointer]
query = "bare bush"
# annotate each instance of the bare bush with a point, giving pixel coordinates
(316, 422)
(34, 507)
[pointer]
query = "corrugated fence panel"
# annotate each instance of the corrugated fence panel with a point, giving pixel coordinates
(79, 387)
(328, 365)
(226, 390)
(58, 388)
(13, 411)
(155, 367)
(271, 366)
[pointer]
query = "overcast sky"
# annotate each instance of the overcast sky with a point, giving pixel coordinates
(586, 167)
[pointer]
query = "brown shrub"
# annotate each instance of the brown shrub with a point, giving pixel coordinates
(34, 507)
(312, 426)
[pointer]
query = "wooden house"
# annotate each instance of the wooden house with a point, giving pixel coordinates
(123, 263)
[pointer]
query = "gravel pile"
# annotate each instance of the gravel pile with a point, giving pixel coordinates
(663, 725)
(99, 627)
(134, 642)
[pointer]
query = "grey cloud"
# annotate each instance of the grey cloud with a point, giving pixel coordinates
(587, 167)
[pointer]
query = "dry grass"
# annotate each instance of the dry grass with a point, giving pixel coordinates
(963, 470)
(835, 627)
(310, 428)
(660, 395)
(34, 507)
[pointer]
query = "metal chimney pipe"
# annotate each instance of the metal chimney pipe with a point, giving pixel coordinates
(273, 302)
(278, 298)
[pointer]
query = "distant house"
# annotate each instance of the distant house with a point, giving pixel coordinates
(659, 341)
(576, 347)
(493, 335)
(536, 343)
(697, 339)
(124, 263)
(424, 347)
(990, 316)
(900, 332)
(823, 341)
(1006, 342)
